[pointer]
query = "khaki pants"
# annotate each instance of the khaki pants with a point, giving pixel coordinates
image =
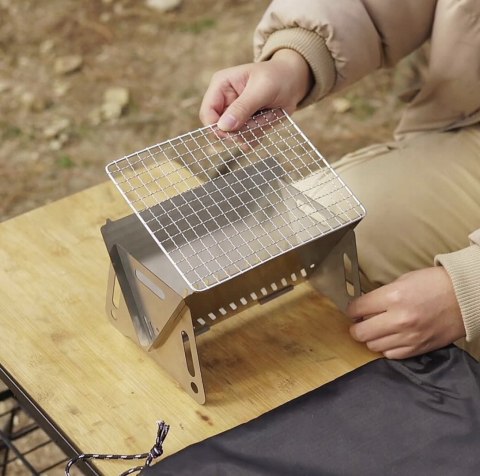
(422, 196)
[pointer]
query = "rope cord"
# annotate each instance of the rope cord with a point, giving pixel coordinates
(154, 453)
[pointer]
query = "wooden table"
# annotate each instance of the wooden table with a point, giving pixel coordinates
(99, 392)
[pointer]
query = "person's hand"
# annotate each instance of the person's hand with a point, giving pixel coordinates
(415, 314)
(235, 94)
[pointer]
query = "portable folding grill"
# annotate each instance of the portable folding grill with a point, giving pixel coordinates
(222, 222)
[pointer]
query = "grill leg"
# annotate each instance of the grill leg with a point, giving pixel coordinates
(338, 276)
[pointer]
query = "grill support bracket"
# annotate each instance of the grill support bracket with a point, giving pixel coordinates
(166, 325)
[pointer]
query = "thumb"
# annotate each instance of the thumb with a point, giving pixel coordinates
(242, 109)
(235, 116)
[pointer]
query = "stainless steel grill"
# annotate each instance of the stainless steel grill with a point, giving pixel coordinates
(219, 229)
(249, 213)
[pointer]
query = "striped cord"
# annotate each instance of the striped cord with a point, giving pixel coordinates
(154, 453)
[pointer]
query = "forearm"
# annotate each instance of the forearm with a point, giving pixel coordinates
(343, 40)
(302, 77)
(463, 267)
(313, 49)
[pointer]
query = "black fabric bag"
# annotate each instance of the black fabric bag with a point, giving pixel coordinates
(416, 417)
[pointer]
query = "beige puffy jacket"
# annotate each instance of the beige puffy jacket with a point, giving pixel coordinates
(344, 40)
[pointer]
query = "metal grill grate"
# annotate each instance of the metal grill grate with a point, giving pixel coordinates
(220, 204)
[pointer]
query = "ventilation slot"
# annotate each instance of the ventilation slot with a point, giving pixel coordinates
(149, 284)
(348, 268)
(188, 354)
(116, 294)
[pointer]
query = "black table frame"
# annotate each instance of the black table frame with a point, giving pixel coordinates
(45, 422)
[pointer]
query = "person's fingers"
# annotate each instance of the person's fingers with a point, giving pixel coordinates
(391, 345)
(386, 343)
(221, 92)
(209, 115)
(375, 327)
(402, 353)
(213, 105)
(254, 97)
(372, 303)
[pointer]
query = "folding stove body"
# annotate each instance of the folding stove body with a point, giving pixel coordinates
(223, 222)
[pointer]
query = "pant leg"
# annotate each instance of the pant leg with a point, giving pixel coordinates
(422, 197)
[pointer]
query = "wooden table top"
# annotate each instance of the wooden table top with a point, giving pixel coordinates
(102, 390)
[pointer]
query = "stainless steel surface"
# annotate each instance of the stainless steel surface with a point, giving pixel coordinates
(237, 221)
(202, 247)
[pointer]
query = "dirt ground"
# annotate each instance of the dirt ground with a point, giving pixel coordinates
(85, 82)
(61, 59)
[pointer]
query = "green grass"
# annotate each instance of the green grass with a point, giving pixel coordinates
(198, 26)
(65, 162)
(9, 131)
(362, 108)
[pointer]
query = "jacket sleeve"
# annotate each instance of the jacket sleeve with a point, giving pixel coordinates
(343, 40)
(463, 267)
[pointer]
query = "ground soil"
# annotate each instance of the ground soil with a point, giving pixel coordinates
(53, 139)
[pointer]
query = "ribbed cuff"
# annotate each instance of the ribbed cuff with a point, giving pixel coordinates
(463, 268)
(475, 237)
(313, 48)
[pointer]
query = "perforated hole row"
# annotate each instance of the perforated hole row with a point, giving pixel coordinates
(255, 296)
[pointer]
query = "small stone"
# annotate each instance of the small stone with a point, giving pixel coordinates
(55, 145)
(63, 138)
(56, 128)
(118, 9)
(95, 117)
(110, 111)
(115, 101)
(105, 17)
(164, 5)
(68, 64)
(46, 46)
(24, 61)
(27, 98)
(341, 105)
(4, 86)
(60, 88)
(58, 142)
(33, 156)
(39, 104)
(117, 95)
(33, 102)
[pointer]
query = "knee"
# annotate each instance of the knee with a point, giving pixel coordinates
(387, 238)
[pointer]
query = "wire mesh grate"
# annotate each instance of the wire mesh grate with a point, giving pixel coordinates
(219, 204)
